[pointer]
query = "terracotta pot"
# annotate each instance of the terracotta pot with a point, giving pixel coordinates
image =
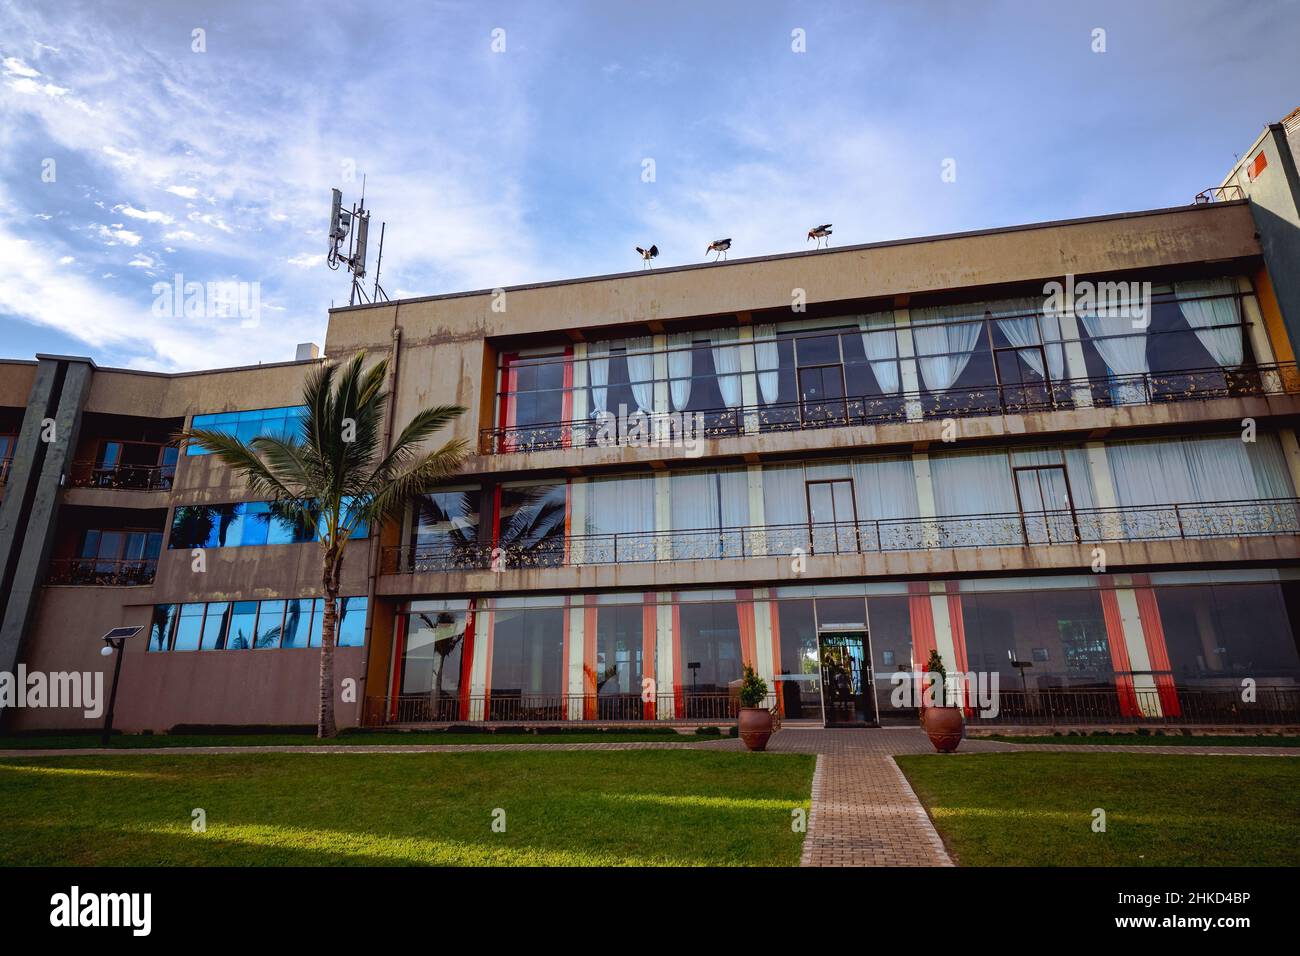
(755, 727)
(943, 725)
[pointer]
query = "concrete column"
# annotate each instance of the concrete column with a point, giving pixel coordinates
(925, 505)
(577, 521)
(1076, 367)
(763, 637)
(478, 674)
(756, 540)
(943, 631)
(665, 673)
(663, 515)
(1291, 452)
(1111, 524)
(907, 369)
(748, 379)
(580, 395)
(577, 655)
(1257, 332)
(29, 515)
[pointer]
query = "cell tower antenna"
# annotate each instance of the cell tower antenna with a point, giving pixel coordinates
(354, 226)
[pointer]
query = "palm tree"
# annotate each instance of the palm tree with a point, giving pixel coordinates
(336, 476)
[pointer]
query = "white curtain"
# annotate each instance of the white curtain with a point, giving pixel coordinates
(726, 363)
(1122, 347)
(641, 371)
(1199, 470)
(884, 490)
(784, 501)
(880, 342)
(681, 362)
(598, 376)
(943, 349)
(1033, 329)
(972, 483)
(1223, 343)
(767, 359)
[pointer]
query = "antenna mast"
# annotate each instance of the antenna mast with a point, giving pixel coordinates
(354, 226)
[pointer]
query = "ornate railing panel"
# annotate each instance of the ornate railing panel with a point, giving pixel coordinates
(100, 573)
(87, 474)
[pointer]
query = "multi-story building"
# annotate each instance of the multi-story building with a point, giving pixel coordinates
(1062, 453)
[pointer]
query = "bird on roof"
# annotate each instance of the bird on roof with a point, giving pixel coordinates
(647, 255)
(719, 246)
(821, 232)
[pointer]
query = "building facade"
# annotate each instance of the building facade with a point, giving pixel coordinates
(1062, 455)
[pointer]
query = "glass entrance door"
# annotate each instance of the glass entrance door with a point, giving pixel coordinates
(847, 698)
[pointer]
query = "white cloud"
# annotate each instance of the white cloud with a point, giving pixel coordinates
(67, 260)
(112, 235)
(16, 67)
(180, 235)
(306, 260)
(147, 215)
(185, 192)
(142, 261)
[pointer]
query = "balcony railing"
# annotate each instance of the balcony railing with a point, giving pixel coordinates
(5, 464)
(88, 474)
(1115, 391)
(1064, 706)
(513, 707)
(97, 572)
(1219, 194)
(1223, 519)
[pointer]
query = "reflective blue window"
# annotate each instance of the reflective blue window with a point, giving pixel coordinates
(239, 625)
(297, 620)
(243, 624)
(189, 628)
(160, 631)
(254, 423)
(270, 624)
(242, 523)
(214, 626)
(352, 622)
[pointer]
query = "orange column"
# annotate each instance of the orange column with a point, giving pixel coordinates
(649, 641)
(589, 623)
(922, 617)
(1128, 704)
(1153, 632)
(957, 623)
(745, 618)
(467, 661)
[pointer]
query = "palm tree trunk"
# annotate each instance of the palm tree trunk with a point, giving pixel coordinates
(325, 726)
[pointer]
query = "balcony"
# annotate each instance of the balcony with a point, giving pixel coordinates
(98, 572)
(1171, 522)
(122, 477)
(1111, 391)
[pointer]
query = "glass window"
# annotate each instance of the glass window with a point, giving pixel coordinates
(243, 625)
(247, 425)
(270, 624)
(620, 643)
(215, 626)
(1216, 635)
(160, 630)
(352, 622)
(1067, 624)
(798, 678)
(297, 622)
(317, 622)
(446, 520)
(532, 521)
(189, 628)
(431, 658)
(527, 660)
(710, 637)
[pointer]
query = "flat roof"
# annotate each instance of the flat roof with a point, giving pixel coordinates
(915, 240)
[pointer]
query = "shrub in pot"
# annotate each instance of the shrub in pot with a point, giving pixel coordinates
(755, 719)
(942, 721)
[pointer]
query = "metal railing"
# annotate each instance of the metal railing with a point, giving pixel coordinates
(1113, 391)
(514, 707)
(1219, 194)
(1064, 706)
(1224, 519)
(97, 572)
(88, 474)
(5, 464)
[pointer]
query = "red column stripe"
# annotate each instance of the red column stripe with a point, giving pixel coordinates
(1153, 633)
(1128, 705)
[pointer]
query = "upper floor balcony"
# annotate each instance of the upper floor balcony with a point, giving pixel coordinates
(126, 453)
(1185, 340)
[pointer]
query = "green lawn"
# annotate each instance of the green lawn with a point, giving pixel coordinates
(395, 738)
(645, 807)
(1171, 740)
(1036, 809)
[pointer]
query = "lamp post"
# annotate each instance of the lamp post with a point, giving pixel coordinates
(114, 641)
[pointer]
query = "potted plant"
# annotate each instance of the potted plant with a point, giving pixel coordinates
(942, 723)
(755, 719)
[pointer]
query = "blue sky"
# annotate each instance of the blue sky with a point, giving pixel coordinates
(495, 168)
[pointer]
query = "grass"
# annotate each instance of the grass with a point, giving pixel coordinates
(1170, 740)
(377, 738)
(1036, 809)
(606, 808)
